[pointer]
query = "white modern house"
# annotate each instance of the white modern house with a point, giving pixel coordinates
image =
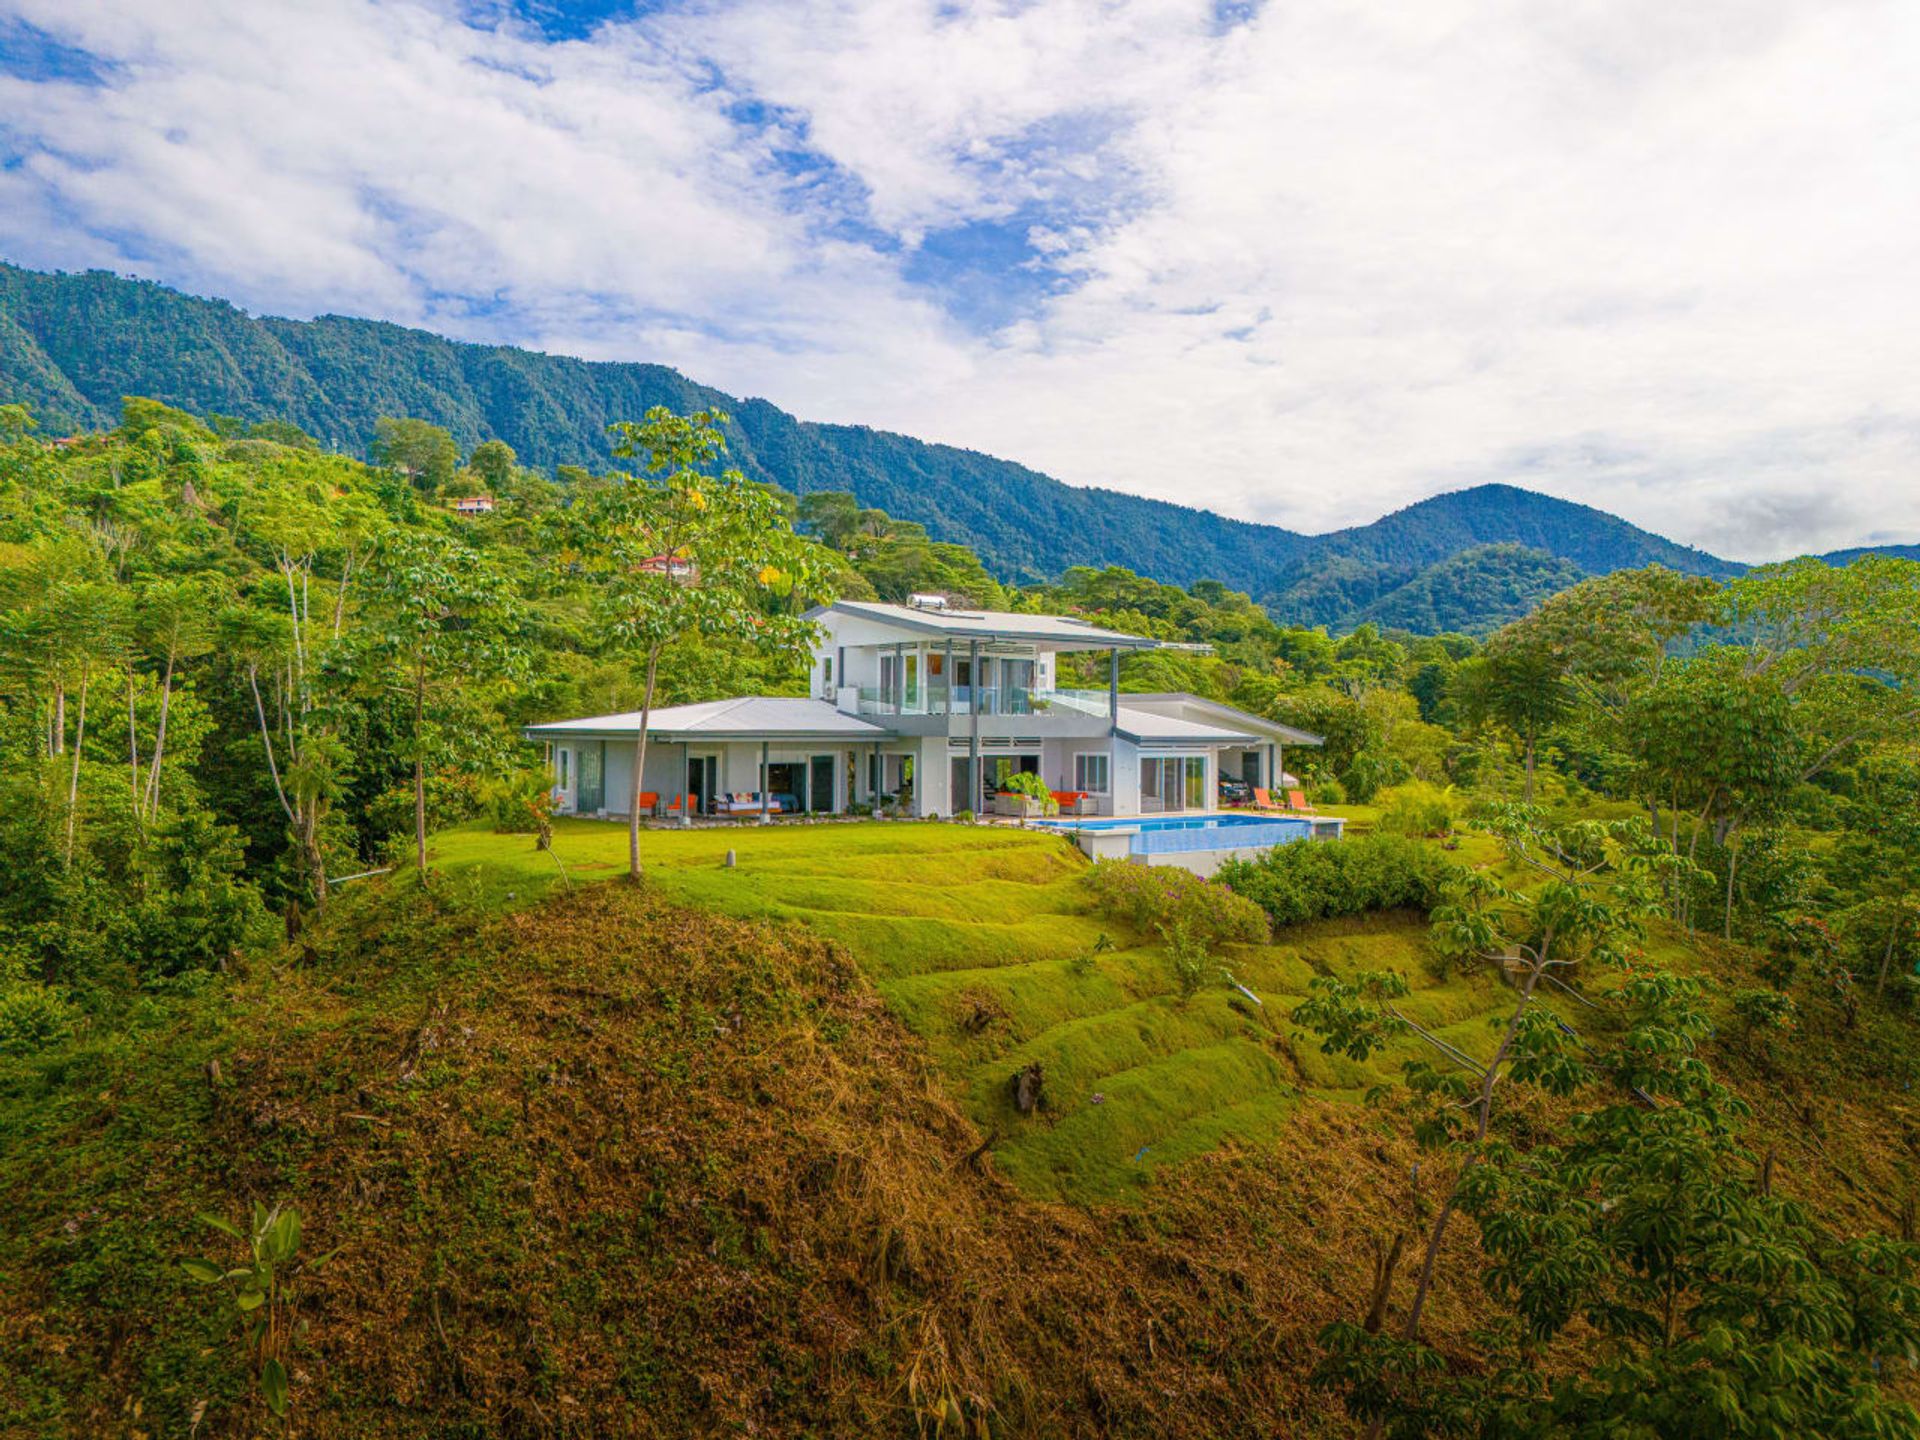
(926, 707)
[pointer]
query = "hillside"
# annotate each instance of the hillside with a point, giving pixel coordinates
(71, 345)
(626, 1168)
(1348, 571)
(1474, 592)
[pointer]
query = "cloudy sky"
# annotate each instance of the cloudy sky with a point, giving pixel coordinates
(1298, 262)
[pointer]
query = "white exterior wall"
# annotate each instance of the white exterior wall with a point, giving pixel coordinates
(933, 777)
(1126, 777)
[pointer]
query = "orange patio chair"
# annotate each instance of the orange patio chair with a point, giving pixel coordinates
(1297, 800)
(1263, 800)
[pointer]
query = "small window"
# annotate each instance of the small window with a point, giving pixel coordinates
(1090, 773)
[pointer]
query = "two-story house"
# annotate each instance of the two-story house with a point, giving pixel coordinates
(928, 707)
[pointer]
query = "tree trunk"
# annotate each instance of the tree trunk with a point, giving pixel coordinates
(58, 741)
(1733, 862)
(160, 740)
(419, 774)
(1527, 792)
(340, 596)
(316, 862)
(79, 743)
(133, 754)
(639, 770)
(266, 739)
(1886, 962)
(1439, 1231)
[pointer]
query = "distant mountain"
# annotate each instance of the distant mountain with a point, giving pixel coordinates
(72, 345)
(1346, 573)
(1847, 557)
(1475, 592)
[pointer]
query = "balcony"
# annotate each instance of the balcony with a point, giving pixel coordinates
(981, 699)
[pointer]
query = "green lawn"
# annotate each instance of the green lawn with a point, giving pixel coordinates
(981, 940)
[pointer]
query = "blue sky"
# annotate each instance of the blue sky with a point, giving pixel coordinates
(1302, 262)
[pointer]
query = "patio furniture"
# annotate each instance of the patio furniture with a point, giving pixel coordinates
(745, 803)
(649, 802)
(1076, 802)
(1011, 803)
(1297, 800)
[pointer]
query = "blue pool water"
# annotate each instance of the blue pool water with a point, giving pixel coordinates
(1183, 834)
(1149, 823)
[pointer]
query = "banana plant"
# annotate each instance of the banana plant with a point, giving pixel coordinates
(262, 1289)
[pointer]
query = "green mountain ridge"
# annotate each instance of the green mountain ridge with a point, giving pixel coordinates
(71, 345)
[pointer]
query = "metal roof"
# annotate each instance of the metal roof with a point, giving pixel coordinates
(1227, 715)
(751, 717)
(1059, 630)
(1150, 727)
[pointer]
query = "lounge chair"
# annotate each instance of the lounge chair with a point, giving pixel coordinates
(1297, 800)
(1262, 800)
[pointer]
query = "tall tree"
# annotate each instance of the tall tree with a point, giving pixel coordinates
(441, 616)
(421, 451)
(677, 553)
(492, 461)
(1520, 683)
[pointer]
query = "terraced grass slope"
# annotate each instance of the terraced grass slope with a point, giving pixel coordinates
(981, 940)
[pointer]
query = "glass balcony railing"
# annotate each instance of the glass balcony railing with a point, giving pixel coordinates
(939, 699)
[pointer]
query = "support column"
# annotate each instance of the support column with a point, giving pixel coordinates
(763, 782)
(946, 679)
(1113, 686)
(973, 732)
(686, 779)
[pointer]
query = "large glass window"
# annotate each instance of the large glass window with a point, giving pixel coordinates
(1091, 773)
(1173, 782)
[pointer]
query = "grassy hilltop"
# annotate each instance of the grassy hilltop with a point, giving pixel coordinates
(708, 1157)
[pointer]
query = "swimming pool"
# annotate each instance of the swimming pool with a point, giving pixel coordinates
(1196, 842)
(1157, 823)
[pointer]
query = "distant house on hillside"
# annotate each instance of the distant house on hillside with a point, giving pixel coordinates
(473, 505)
(677, 567)
(930, 708)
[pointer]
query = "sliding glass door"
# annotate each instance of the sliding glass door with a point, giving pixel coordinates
(1173, 782)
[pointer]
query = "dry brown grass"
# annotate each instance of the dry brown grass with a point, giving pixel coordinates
(619, 1168)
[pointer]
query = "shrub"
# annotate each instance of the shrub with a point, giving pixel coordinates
(1160, 897)
(1187, 954)
(519, 803)
(32, 1017)
(451, 798)
(1415, 808)
(1328, 792)
(1315, 880)
(1034, 788)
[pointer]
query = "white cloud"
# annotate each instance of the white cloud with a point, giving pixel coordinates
(1308, 268)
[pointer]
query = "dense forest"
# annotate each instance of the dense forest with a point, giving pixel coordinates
(1571, 1095)
(72, 345)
